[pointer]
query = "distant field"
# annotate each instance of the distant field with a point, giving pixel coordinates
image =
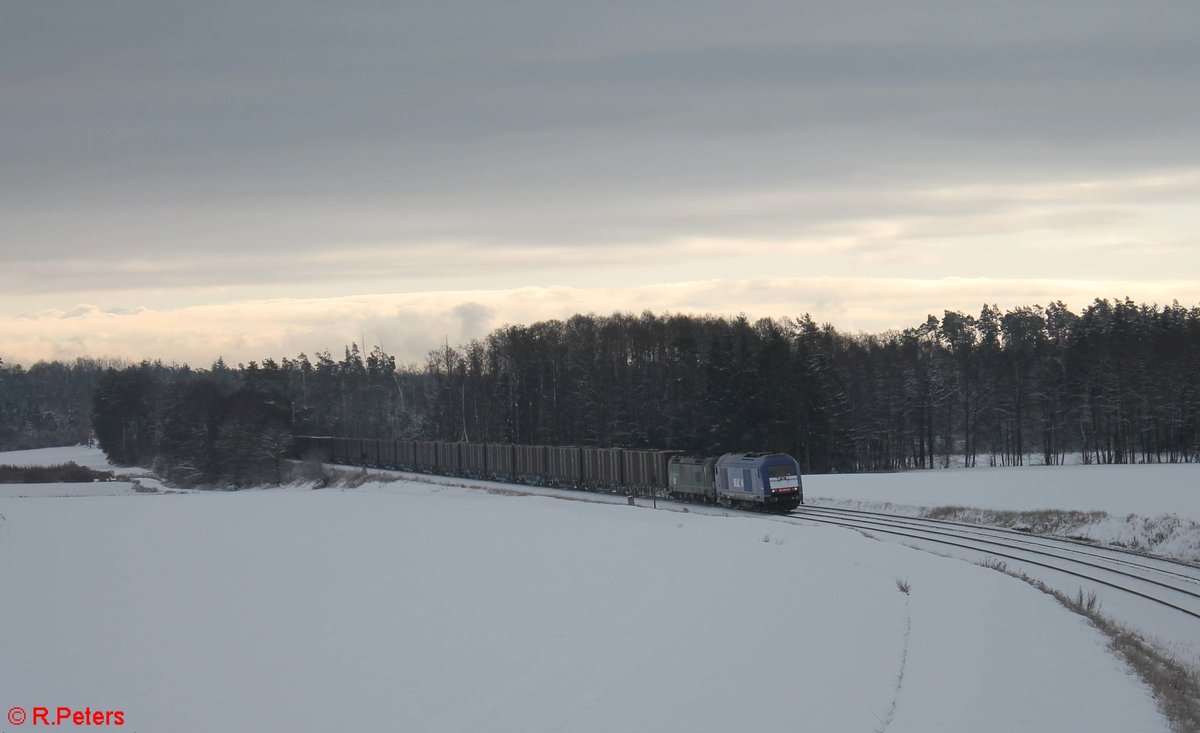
(87, 456)
(1145, 490)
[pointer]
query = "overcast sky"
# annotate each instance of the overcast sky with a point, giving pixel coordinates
(253, 179)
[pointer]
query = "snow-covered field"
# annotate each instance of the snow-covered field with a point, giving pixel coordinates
(1154, 507)
(95, 488)
(82, 455)
(1145, 490)
(417, 606)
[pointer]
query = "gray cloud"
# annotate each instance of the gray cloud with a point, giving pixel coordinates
(219, 102)
(166, 154)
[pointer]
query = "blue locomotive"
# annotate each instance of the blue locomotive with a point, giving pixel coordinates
(767, 481)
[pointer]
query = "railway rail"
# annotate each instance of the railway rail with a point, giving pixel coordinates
(1029, 536)
(1167, 583)
(1143, 589)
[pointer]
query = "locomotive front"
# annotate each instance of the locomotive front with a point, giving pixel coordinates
(766, 480)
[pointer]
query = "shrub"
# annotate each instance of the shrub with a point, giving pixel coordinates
(71, 473)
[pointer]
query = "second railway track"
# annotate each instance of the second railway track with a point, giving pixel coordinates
(1169, 584)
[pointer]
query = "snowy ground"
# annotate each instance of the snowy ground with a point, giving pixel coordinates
(1148, 507)
(1146, 490)
(414, 606)
(82, 455)
(95, 488)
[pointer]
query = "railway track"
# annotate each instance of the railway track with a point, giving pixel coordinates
(1166, 583)
(1158, 599)
(1138, 589)
(983, 529)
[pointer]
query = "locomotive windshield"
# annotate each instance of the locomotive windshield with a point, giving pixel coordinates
(782, 470)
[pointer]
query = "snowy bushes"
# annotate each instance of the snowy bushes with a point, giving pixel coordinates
(194, 429)
(71, 473)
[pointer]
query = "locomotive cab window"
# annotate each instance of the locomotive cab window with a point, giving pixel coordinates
(781, 470)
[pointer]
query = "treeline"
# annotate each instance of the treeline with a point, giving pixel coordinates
(49, 404)
(233, 425)
(1118, 383)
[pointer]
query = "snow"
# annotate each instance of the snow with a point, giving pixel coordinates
(1144, 490)
(1152, 508)
(413, 606)
(83, 455)
(94, 488)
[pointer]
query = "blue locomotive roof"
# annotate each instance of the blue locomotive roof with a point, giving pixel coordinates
(753, 459)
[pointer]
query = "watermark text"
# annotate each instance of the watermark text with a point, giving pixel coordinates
(63, 715)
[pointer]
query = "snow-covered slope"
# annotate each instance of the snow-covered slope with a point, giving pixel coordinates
(409, 606)
(95, 488)
(1145, 489)
(88, 456)
(1153, 508)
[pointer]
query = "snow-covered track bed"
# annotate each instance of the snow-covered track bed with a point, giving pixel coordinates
(1158, 596)
(1153, 596)
(1137, 561)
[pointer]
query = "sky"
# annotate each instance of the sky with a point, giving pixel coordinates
(258, 179)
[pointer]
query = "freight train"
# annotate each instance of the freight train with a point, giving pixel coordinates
(766, 481)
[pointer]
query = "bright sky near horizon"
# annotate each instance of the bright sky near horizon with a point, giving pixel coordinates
(254, 179)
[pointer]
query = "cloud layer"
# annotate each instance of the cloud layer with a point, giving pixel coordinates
(202, 162)
(409, 325)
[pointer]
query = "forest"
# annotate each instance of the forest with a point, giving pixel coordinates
(1118, 382)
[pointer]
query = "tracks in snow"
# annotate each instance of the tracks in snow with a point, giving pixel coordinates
(1168, 583)
(1171, 585)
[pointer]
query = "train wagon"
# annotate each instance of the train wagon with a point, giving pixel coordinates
(564, 466)
(426, 456)
(761, 480)
(406, 455)
(692, 478)
(529, 463)
(602, 468)
(371, 452)
(473, 460)
(645, 471)
(448, 459)
(390, 454)
(341, 451)
(500, 460)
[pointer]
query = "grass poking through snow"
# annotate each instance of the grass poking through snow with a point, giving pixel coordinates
(1175, 685)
